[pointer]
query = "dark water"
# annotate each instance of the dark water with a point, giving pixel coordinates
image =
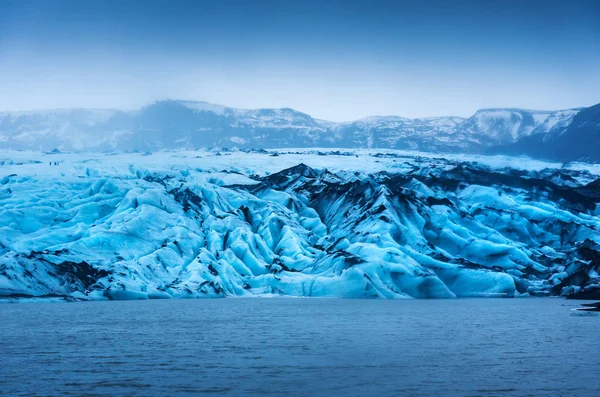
(299, 347)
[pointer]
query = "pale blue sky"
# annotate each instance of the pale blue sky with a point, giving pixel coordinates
(337, 60)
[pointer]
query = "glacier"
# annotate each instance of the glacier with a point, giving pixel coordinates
(345, 223)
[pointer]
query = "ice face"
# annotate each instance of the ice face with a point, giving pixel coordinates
(378, 224)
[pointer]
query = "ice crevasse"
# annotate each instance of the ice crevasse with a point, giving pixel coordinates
(461, 230)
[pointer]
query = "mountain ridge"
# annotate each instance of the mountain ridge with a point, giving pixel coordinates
(170, 124)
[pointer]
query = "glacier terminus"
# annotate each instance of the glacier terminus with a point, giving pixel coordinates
(351, 223)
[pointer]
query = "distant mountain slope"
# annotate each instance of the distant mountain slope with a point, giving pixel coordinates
(397, 132)
(174, 124)
(578, 140)
(510, 125)
(72, 129)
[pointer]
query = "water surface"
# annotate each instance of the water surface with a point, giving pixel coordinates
(299, 347)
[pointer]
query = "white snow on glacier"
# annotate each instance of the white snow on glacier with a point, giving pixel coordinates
(337, 223)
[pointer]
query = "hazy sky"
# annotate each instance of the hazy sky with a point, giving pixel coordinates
(337, 60)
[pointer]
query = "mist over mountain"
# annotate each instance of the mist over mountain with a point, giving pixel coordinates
(173, 124)
(580, 140)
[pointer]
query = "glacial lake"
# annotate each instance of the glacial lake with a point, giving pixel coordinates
(299, 347)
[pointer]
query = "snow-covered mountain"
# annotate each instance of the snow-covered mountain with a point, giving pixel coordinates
(502, 126)
(398, 133)
(347, 223)
(188, 124)
(72, 129)
(579, 139)
(163, 125)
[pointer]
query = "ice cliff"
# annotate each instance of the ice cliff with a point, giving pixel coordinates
(358, 224)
